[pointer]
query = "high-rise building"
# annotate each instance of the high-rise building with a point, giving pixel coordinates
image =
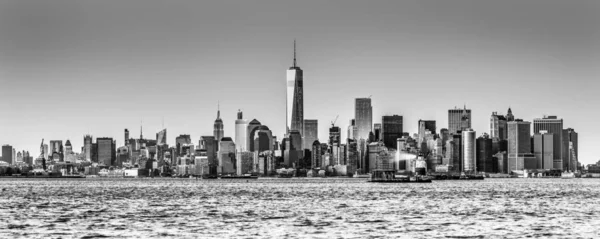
(469, 150)
(509, 115)
(218, 127)
(424, 126)
(180, 142)
(519, 144)
(317, 154)
(485, 157)
(56, 146)
(543, 149)
(554, 126)
(363, 114)
(209, 143)
(7, 153)
(498, 126)
(570, 149)
(377, 132)
(352, 129)
(161, 137)
(126, 137)
(263, 139)
(250, 132)
(87, 147)
(106, 151)
(295, 98)
(391, 130)
(459, 119)
(241, 129)
(226, 157)
(311, 133)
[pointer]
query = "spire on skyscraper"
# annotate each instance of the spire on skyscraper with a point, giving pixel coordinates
(141, 135)
(218, 110)
(294, 52)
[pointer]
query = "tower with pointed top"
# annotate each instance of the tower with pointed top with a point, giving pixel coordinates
(218, 127)
(509, 115)
(295, 98)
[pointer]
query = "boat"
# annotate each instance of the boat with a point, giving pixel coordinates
(245, 176)
(389, 176)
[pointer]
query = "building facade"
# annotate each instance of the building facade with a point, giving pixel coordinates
(459, 119)
(469, 150)
(295, 98)
(391, 130)
(363, 115)
(519, 144)
(554, 126)
(311, 133)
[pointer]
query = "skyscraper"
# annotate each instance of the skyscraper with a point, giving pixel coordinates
(241, 128)
(7, 153)
(87, 147)
(363, 115)
(570, 161)
(377, 132)
(126, 132)
(519, 144)
(391, 130)
(352, 129)
(554, 126)
(311, 133)
(485, 157)
(106, 151)
(498, 126)
(218, 127)
(295, 98)
(543, 149)
(459, 119)
(424, 126)
(161, 137)
(469, 150)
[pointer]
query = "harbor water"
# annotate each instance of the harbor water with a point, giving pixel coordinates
(315, 208)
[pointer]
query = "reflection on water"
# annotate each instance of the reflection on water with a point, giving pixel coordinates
(278, 208)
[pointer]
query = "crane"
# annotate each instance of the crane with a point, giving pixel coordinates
(335, 120)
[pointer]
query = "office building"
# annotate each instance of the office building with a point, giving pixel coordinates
(209, 144)
(469, 150)
(218, 127)
(106, 151)
(570, 149)
(509, 115)
(311, 133)
(180, 141)
(241, 135)
(377, 132)
(363, 115)
(226, 157)
(252, 127)
(424, 127)
(543, 149)
(161, 137)
(87, 147)
(7, 153)
(391, 130)
(263, 139)
(498, 126)
(295, 98)
(485, 157)
(316, 154)
(519, 144)
(352, 129)
(459, 119)
(553, 126)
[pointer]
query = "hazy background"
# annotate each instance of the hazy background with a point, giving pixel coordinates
(68, 68)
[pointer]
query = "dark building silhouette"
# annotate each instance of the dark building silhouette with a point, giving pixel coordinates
(377, 132)
(392, 127)
(311, 132)
(570, 149)
(485, 157)
(7, 153)
(363, 115)
(106, 151)
(425, 125)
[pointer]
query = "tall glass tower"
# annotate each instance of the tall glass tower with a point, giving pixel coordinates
(295, 100)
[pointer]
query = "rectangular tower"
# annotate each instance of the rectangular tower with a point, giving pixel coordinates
(311, 133)
(554, 126)
(363, 115)
(458, 119)
(519, 144)
(391, 130)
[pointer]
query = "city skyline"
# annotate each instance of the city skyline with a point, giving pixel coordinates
(50, 99)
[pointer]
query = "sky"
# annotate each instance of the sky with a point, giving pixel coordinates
(75, 67)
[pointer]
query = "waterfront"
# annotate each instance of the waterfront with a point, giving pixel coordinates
(324, 208)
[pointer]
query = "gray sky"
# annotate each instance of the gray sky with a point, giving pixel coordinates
(72, 67)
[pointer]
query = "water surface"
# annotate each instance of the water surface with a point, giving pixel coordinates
(276, 208)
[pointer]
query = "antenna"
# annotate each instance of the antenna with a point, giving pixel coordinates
(294, 52)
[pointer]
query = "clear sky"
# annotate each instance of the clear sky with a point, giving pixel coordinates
(72, 67)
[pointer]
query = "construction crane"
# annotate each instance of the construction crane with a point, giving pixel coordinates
(335, 120)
